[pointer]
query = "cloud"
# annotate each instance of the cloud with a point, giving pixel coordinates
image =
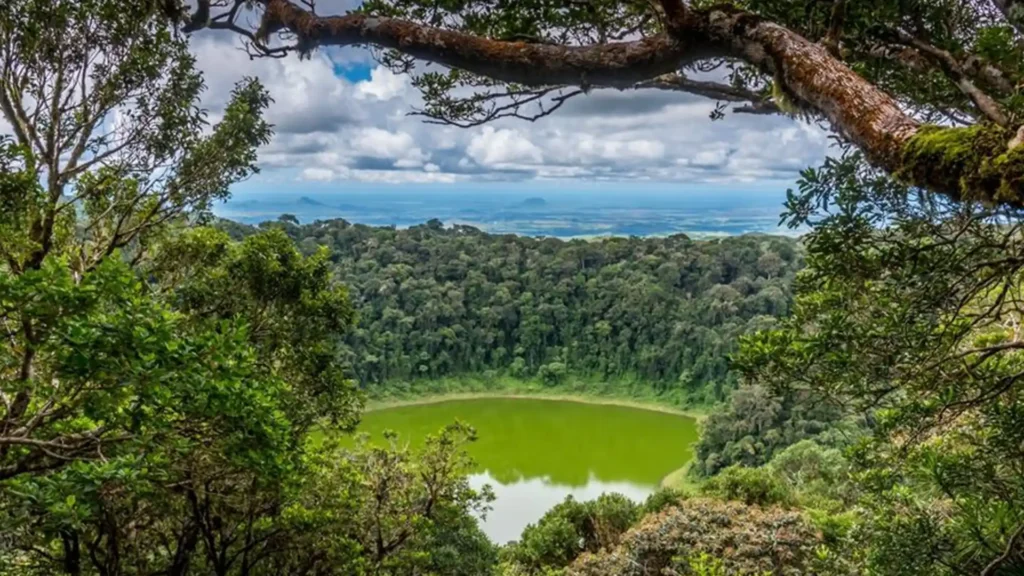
(308, 97)
(383, 85)
(375, 176)
(504, 147)
(318, 174)
(378, 143)
(623, 103)
(332, 125)
(710, 158)
(595, 149)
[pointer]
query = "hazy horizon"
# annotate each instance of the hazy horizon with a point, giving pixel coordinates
(573, 211)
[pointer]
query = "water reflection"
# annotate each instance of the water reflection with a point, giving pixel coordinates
(536, 452)
(524, 501)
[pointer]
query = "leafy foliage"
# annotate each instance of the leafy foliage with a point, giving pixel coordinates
(292, 304)
(103, 185)
(756, 424)
(435, 301)
(571, 528)
(908, 310)
(160, 383)
(752, 486)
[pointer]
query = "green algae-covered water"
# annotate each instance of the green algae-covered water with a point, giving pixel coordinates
(535, 452)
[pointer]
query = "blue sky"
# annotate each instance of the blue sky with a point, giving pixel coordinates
(357, 71)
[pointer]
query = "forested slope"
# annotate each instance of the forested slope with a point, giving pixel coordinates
(436, 302)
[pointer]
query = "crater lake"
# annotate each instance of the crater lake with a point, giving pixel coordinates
(535, 452)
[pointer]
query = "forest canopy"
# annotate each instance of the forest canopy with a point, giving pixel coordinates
(437, 301)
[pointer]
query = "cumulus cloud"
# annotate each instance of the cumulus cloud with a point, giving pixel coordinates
(333, 126)
(383, 85)
(602, 149)
(505, 147)
(378, 143)
(716, 156)
(308, 97)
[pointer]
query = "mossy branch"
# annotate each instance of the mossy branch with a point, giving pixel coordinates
(977, 163)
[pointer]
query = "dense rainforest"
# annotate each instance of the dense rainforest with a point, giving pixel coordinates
(171, 396)
(661, 313)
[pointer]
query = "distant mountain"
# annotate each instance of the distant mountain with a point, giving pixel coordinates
(307, 201)
(564, 214)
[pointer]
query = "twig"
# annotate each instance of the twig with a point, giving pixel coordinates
(1010, 544)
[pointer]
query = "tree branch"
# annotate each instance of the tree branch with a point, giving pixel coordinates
(977, 68)
(837, 20)
(955, 72)
(15, 114)
(200, 18)
(619, 64)
(1007, 552)
(675, 13)
(758, 103)
(510, 109)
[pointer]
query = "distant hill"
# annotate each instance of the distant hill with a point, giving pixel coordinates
(529, 212)
(307, 201)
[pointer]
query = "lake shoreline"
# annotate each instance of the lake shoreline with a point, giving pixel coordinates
(676, 479)
(383, 404)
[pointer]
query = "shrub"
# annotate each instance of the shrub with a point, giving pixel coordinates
(745, 539)
(571, 528)
(819, 475)
(757, 486)
(661, 499)
(553, 373)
